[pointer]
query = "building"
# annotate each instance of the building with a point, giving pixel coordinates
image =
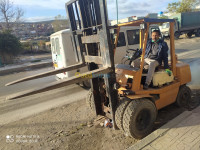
(132, 18)
(29, 30)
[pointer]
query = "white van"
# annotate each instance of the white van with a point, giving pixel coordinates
(63, 53)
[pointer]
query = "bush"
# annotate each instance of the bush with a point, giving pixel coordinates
(9, 44)
(34, 47)
(27, 46)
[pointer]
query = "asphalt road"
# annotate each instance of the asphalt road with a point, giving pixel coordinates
(188, 51)
(12, 110)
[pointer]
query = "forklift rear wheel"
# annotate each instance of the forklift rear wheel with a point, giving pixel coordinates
(120, 112)
(184, 98)
(139, 118)
(89, 100)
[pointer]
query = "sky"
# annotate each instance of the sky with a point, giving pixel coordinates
(41, 10)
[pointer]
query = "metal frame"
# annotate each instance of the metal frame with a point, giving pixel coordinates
(95, 42)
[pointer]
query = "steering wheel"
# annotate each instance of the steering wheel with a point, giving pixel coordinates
(134, 50)
(130, 56)
(135, 55)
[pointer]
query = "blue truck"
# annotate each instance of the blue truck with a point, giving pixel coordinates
(187, 23)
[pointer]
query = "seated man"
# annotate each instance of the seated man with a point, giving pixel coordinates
(156, 52)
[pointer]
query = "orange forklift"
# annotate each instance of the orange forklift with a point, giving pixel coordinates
(137, 108)
(117, 91)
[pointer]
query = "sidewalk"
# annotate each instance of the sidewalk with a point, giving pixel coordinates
(181, 133)
(28, 63)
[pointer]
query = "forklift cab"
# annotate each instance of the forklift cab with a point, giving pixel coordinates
(132, 78)
(128, 40)
(160, 77)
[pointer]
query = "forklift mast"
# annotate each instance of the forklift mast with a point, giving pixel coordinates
(92, 45)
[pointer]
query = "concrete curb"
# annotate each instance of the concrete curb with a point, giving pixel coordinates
(25, 67)
(159, 132)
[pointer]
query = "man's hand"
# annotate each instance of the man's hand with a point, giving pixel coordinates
(168, 71)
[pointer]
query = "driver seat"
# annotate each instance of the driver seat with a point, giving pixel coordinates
(160, 77)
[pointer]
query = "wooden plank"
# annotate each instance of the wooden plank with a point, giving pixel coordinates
(90, 39)
(49, 73)
(62, 83)
(95, 59)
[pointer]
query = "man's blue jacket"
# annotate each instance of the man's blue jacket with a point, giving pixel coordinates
(162, 52)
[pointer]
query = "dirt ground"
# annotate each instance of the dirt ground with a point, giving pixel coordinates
(72, 127)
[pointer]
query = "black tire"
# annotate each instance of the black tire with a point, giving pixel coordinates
(184, 98)
(86, 84)
(188, 35)
(139, 118)
(176, 35)
(197, 34)
(89, 100)
(120, 112)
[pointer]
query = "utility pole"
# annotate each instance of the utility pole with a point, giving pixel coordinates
(117, 9)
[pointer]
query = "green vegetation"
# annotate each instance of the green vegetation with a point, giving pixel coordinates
(183, 6)
(9, 44)
(33, 47)
(27, 46)
(60, 23)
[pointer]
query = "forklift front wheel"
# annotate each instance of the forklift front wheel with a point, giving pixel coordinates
(120, 112)
(139, 118)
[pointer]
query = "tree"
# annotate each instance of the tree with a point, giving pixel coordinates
(9, 45)
(183, 6)
(60, 23)
(10, 15)
(27, 46)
